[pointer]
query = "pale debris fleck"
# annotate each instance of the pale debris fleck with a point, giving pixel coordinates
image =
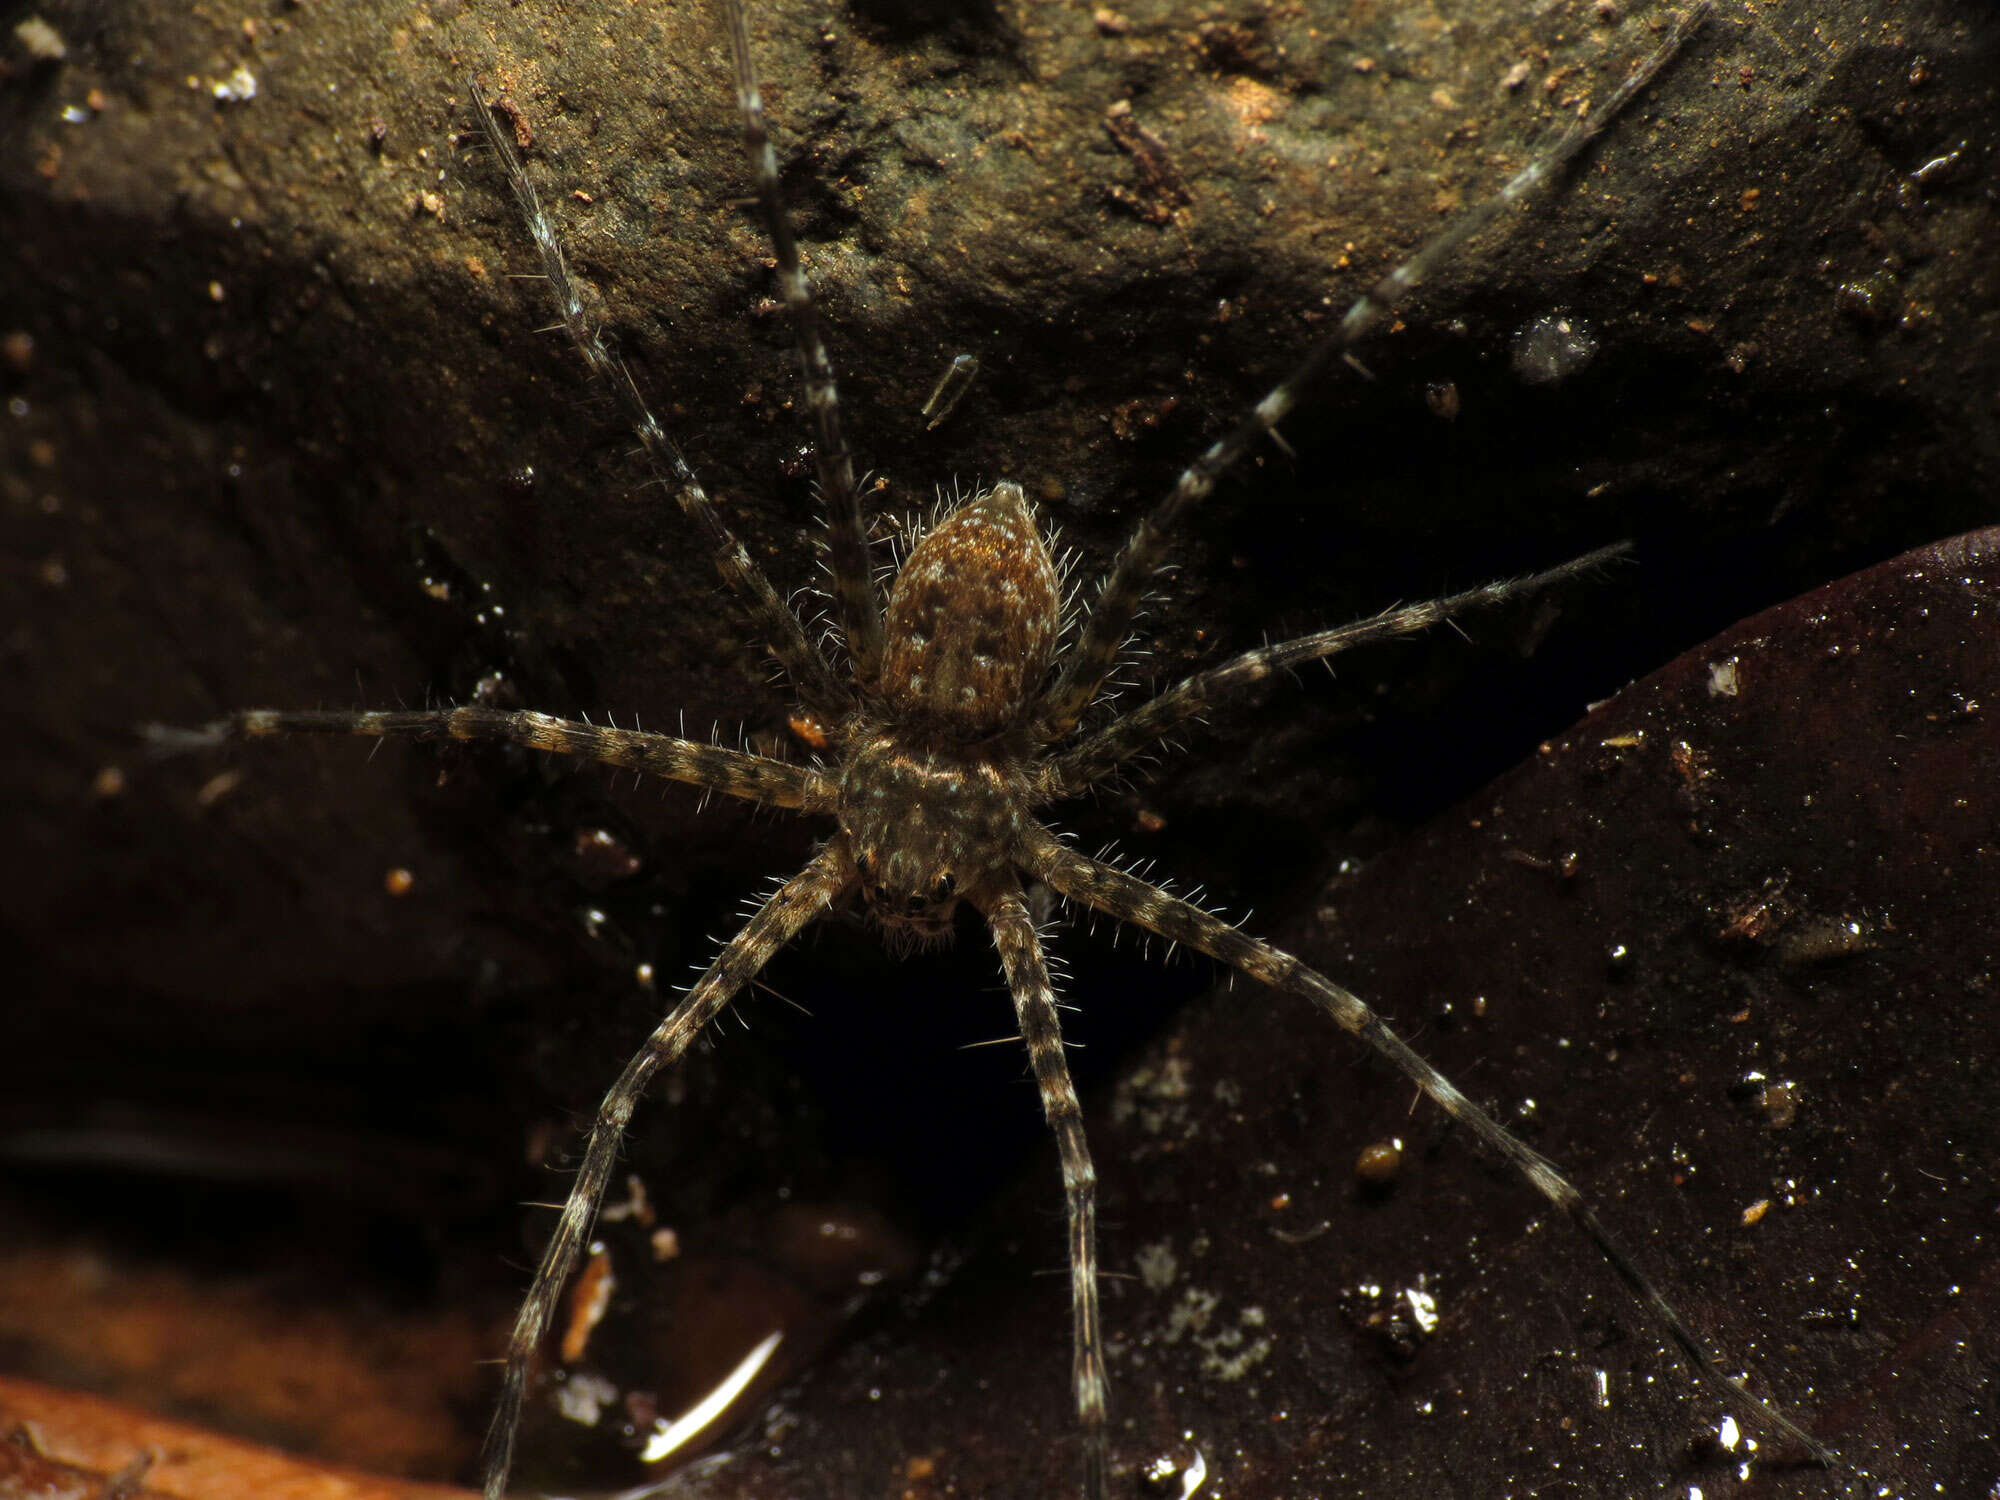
(584, 1396)
(1157, 1265)
(240, 87)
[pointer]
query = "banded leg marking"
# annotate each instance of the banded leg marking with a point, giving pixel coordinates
(1035, 1006)
(847, 533)
(795, 904)
(772, 618)
(1084, 765)
(1091, 659)
(1104, 888)
(736, 773)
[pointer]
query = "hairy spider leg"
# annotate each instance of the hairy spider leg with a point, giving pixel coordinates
(1035, 1006)
(772, 618)
(1097, 649)
(1088, 762)
(735, 773)
(847, 534)
(1106, 888)
(828, 876)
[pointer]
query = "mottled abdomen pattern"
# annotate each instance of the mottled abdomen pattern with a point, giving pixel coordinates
(972, 620)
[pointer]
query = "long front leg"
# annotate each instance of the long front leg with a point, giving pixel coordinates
(846, 533)
(771, 616)
(1112, 613)
(1107, 889)
(1035, 1005)
(737, 773)
(777, 922)
(1088, 762)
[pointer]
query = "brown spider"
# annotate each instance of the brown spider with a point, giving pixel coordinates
(959, 719)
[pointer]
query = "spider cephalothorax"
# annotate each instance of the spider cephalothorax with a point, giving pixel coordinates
(957, 720)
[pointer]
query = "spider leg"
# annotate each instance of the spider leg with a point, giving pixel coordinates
(1091, 659)
(755, 778)
(1107, 889)
(1035, 1004)
(773, 619)
(847, 536)
(1088, 762)
(776, 923)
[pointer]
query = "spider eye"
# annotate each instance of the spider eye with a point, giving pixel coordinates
(946, 885)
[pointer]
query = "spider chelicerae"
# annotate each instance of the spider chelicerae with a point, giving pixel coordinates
(961, 708)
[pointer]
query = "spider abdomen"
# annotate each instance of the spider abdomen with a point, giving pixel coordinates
(972, 619)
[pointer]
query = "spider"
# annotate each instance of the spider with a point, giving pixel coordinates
(960, 708)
